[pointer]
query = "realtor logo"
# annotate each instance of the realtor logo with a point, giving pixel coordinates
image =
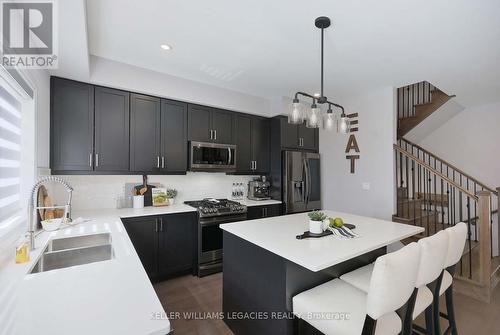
(29, 34)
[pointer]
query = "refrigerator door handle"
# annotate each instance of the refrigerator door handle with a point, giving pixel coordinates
(305, 190)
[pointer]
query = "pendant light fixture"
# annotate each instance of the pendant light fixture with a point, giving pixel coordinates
(313, 116)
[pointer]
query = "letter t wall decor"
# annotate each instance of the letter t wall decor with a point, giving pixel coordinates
(352, 143)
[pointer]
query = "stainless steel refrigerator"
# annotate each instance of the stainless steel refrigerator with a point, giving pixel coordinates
(301, 181)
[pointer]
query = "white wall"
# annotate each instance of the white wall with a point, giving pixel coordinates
(342, 191)
(119, 75)
(470, 141)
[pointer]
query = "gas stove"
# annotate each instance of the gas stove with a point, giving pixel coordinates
(217, 207)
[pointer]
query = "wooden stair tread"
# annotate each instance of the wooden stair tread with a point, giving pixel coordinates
(422, 111)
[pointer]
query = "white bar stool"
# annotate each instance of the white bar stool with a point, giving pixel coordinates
(433, 254)
(392, 284)
(456, 237)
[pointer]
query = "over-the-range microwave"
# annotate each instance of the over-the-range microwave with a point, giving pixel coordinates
(212, 157)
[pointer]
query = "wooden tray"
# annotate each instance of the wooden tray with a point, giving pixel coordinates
(308, 234)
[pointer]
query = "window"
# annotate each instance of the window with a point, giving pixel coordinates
(14, 174)
(10, 161)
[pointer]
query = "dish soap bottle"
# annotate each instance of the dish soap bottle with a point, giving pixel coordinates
(22, 252)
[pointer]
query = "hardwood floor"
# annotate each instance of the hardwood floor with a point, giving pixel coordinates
(192, 297)
(197, 300)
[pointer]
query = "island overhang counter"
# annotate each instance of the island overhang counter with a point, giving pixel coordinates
(264, 265)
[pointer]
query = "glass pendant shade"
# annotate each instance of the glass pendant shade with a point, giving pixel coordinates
(344, 125)
(314, 118)
(329, 121)
(295, 116)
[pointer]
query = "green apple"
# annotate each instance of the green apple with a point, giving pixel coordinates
(337, 222)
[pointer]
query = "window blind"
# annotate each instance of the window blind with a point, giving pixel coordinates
(10, 161)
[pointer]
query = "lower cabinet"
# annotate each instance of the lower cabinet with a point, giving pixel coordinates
(266, 211)
(166, 244)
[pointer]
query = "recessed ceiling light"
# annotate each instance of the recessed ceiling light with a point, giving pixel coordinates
(166, 47)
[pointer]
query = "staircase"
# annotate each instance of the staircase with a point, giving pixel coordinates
(416, 102)
(434, 194)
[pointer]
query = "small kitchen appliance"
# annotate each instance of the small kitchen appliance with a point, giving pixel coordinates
(259, 189)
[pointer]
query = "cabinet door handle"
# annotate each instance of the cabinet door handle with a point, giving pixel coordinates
(162, 162)
(96, 160)
(90, 159)
(156, 225)
(161, 224)
(215, 134)
(157, 162)
(211, 134)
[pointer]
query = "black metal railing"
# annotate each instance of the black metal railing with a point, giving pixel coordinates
(410, 96)
(433, 194)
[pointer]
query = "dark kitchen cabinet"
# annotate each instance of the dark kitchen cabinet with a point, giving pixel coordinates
(207, 124)
(265, 211)
(289, 134)
(143, 232)
(252, 140)
(308, 137)
(176, 243)
(199, 123)
(222, 125)
(244, 158)
(158, 135)
(145, 114)
(260, 144)
(165, 243)
(297, 137)
(174, 149)
(71, 125)
(112, 116)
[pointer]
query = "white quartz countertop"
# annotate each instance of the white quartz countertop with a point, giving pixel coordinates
(108, 297)
(278, 235)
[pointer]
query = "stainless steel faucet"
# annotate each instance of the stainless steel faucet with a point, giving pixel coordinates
(33, 206)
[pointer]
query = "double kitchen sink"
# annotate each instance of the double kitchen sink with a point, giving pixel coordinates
(76, 250)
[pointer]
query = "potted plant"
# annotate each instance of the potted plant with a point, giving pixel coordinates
(316, 221)
(171, 194)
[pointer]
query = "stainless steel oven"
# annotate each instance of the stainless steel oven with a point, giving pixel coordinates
(204, 156)
(210, 242)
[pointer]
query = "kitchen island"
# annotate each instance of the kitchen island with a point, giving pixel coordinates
(265, 265)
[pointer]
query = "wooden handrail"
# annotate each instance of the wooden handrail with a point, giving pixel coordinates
(436, 172)
(453, 167)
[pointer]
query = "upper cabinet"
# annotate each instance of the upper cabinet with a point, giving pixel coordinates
(199, 123)
(145, 114)
(158, 135)
(100, 130)
(112, 117)
(253, 144)
(296, 137)
(72, 126)
(207, 124)
(174, 149)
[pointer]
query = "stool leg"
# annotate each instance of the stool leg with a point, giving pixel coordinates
(450, 309)
(435, 315)
(429, 324)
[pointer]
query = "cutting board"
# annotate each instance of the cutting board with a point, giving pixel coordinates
(148, 199)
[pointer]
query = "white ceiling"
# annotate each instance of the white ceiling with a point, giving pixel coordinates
(271, 48)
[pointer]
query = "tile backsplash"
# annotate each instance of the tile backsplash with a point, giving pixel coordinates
(96, 192)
